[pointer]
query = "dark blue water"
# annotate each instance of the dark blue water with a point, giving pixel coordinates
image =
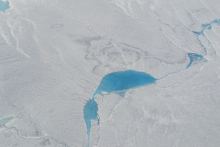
(4, 5)
(194, 58)
(117, 82)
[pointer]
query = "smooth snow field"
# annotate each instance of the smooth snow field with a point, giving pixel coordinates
(109, 73)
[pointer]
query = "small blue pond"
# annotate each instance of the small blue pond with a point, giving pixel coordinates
(117, 82)
(4, 5)
(194, 58)
(4, 121)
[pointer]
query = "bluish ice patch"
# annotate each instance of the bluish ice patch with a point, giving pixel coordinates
(122, 93)
(209, 28)
(216, 21)
(206, 25)
(194, 58)
(124, 80)
(4, 5)
(197, 33)
(90, 113)
(4, 121)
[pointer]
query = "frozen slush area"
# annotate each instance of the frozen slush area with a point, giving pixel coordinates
(140, 73)
(4, 5)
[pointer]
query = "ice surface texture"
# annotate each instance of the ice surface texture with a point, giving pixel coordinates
(67, 66)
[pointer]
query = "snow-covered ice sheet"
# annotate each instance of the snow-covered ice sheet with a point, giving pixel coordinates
(55, 54)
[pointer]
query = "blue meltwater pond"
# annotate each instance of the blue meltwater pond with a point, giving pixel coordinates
(117, 82)
(124, 80)
(4, 5)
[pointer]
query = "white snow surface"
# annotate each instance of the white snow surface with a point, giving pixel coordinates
(54, 53)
